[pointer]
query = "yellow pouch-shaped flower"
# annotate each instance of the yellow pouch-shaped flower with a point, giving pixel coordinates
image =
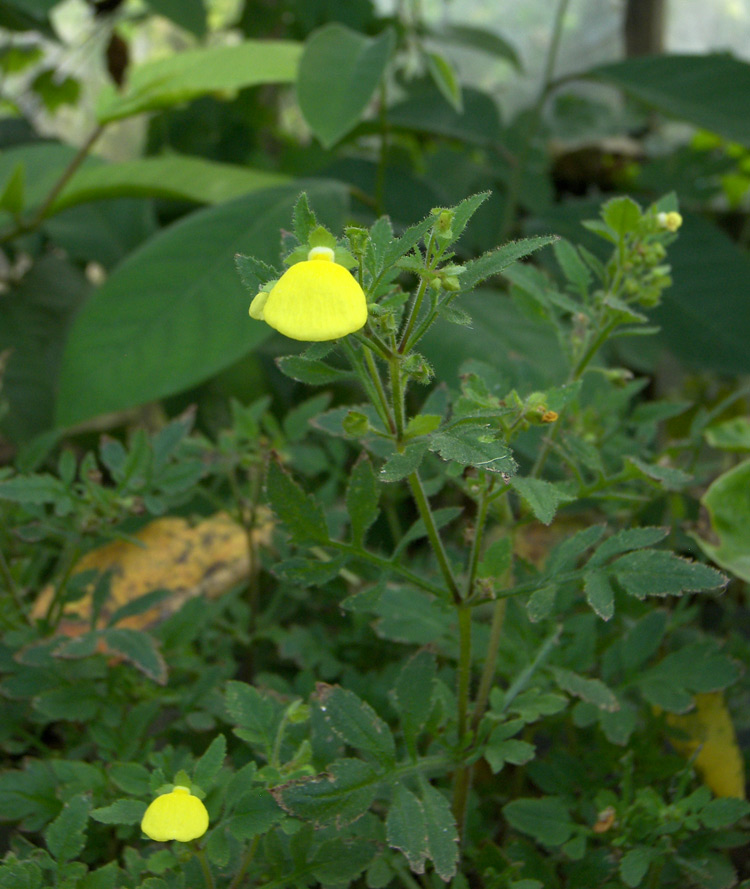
(177, 815)
(313, 300)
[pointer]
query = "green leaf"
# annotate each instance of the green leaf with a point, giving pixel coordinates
(339, 796)
(719, 814)
(481, 39)
(445, 79)
(622, 215)
(414, 692)
(442, 834)
(188, 14)
(497, 559)
(32, 489)
(547, 819)
(121, 811)
(399, 466)
(406, 829)
(695, 668)
(708, 90)
(302, 514)
(473, 446)
(339, 71)
(494, 262)
(66, 836)
(422, 424)
(599, 593)
(541, 602)
(20, 875)
(355, 722)
(196, 72)
(635, 863)
(594, 691)
(542, 497)
(728, 503)
(338, 862)
(12, 197)
(304, 219)
(140, 649)
(625, 541)
(362, 496)
(655, 572)
(255, 714)
(143, 334)
(254, 813)
(208, 766)
(130, 777)
(173, 177)
(102, 878)
(574, 268)
(730, 435)
(499, 751)
(311, 370)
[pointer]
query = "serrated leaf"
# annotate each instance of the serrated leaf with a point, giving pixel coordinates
(339, 796)
(473, 446)
(309, 572)
(494, 262)
(635, 863)
(408, 240)
(414, 692)
(338, 862)
(362, 496)
(254, 813)
(252, 712)
(542, 497)
(625, 541)
(406, 829)
(130, 777)
(311, 371)
(546, 819)
(541, 602)
(442, 833)
(66, 836)
(422, 424)
(511, 750)
(594, 691)
(398, 466)
(302, 514)
(140, 649)
(121, 811)
(355, 722)
(304, 220)
(599, 593)
(20, 875)
(654, 572)
(208, 766)
(722, 813)
(254, 272)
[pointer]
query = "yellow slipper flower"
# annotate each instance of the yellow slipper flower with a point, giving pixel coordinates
(313, 300)
(177, 815)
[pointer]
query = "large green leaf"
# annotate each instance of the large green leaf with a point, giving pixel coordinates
(187, 75)
(728, 504)
(338, 74)
(188, 14)
(173, 176)
(175, 312)
(708, 90)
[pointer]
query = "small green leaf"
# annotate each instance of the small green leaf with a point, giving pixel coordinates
(254, 813)
(207, 767)
(252, 712)
(338, 862)
(442, 834)
(599, 593)
(654, 572)
(362, 495)
(728, 503)
(140, 649)
(546, 819)
(422, 424)
(414, 692)
(541, 602)
(722, 813)
(497, 559)
(625, 541)
(121, 811)
(302, 515)
(12, 197)
(304, 219)
(594, 691)
(355, 722)
(496, 261)
(542, 497)
(130, 777)
(511, 750)
(398, 466)
(445, 79)
(574, 268)
(622, 215)
(20, 875)
(406, 829)
(339, 796)
(66, 836)
(635, 863)
(473, 446)
(311, 371)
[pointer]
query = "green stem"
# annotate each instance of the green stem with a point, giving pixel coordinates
(476, 545)
(200, 854)
(397, 393)
(433, 534)
(367, 381)
(419, 297)
(387, 565)
(535, 116)
(15, 592)
(245, 863)
(68, 560)
(385, 410)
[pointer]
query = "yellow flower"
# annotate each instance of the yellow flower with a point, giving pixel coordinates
(313, 300)
(670, 221)
(175, 816)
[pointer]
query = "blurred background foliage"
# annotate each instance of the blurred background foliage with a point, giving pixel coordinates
(145, 142)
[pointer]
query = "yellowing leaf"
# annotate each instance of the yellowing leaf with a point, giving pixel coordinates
(203, 559)
(709, 730)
